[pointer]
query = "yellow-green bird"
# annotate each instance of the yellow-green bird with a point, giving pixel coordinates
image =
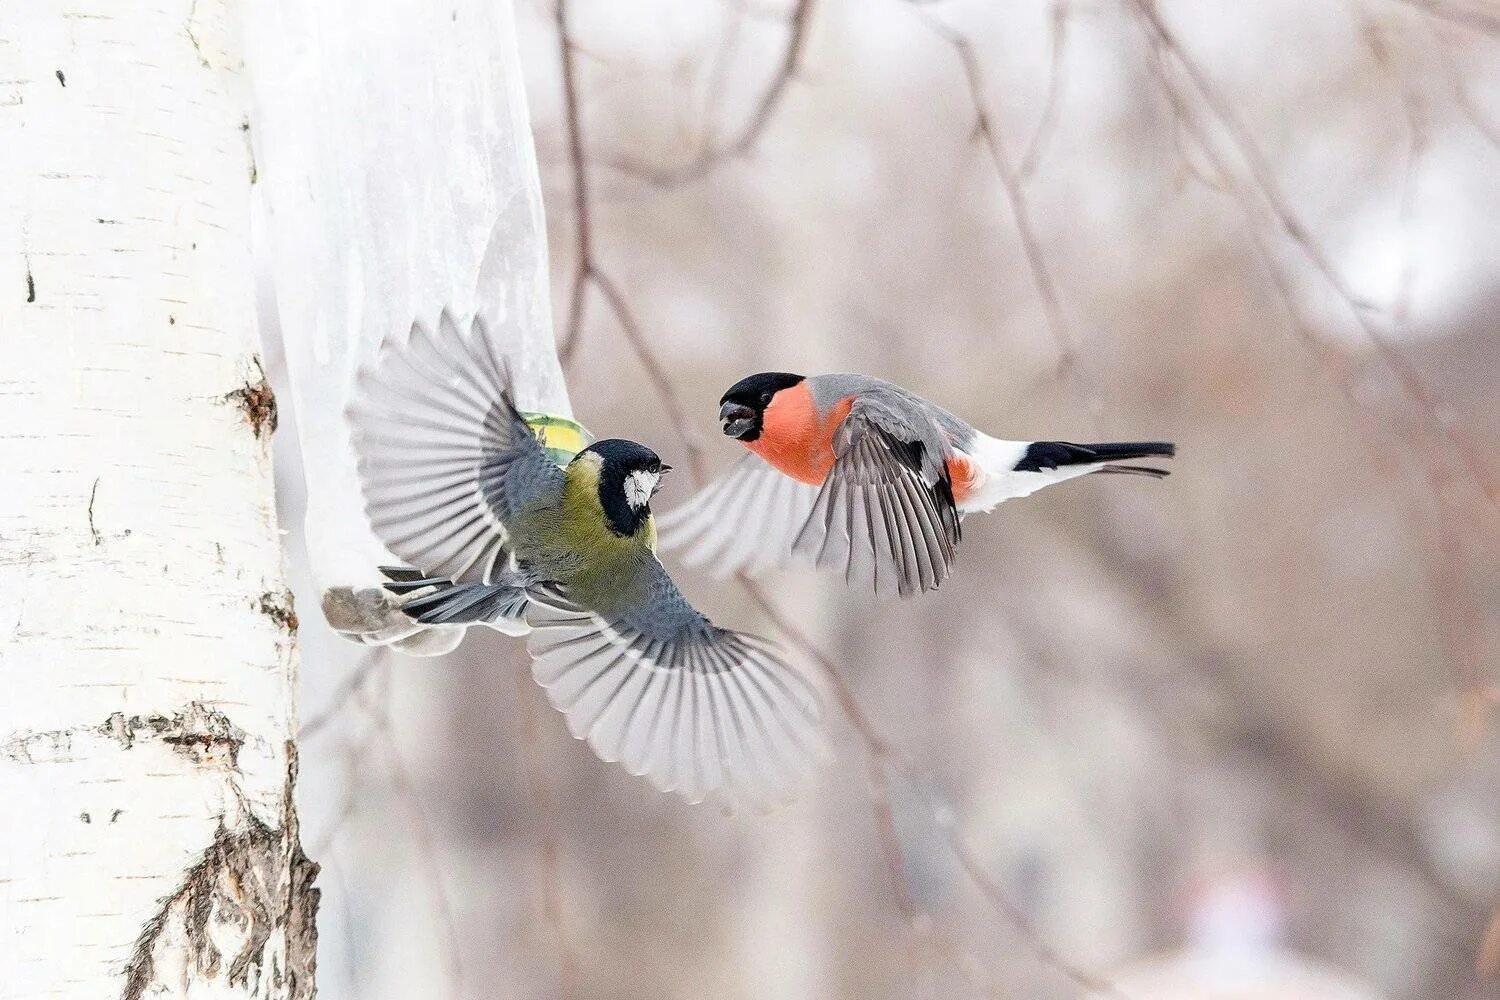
(458, 486)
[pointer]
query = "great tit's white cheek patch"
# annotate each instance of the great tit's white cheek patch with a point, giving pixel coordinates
(639, 486)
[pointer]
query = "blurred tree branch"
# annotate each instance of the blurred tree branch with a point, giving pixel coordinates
(713, 155)
(1465, 15)
(1262, 182)
(1456, 606)
(880, 752)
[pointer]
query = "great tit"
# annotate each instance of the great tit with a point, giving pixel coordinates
(458, 486)
(861, 476)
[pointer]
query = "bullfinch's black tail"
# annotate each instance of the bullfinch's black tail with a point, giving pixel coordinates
(447, 603)
(1046, 455)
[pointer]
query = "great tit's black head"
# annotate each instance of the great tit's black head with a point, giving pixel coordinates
(629, 476)
(743, 408)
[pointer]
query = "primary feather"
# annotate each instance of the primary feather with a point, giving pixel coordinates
(457, 485)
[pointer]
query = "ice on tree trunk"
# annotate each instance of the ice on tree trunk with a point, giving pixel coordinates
(147, 643)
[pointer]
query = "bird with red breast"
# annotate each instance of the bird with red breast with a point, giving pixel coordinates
(862, 477)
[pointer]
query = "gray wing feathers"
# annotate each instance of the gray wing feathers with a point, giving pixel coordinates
(885, 515)
(444, 458)
(884, 518)
(744, 521)
(697, 709)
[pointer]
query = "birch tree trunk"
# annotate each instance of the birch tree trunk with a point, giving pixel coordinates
(148, 844)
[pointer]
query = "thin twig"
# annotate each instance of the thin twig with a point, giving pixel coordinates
(1262, 178)
(1464, 15)
(582, 223)
(882, 754)
(656, 372)
(712, 156)
(350, 686)
(1458, 644)
(544, 808)
(987, 128)
(1052, 103)
(421, 831)
(1462, 97)
(939, 813)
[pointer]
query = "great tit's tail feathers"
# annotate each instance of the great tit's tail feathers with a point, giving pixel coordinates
(401, 580)
(468, 604)
(440, 601)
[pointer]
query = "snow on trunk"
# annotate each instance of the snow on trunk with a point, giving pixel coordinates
(148, 845)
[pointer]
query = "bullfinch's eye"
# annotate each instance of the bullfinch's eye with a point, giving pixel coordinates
(765, 399)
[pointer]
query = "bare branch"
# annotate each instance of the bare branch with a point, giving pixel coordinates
(1051, 105)
(987, 128)
(1487, 962)
(1462, 97)
(1262, 179)
(656, 372)
(582, 223)
(713, 156)
(882, 755)
(940, 814)
(348, 688)
(545, 809)
(1462, 14)
(421, 833)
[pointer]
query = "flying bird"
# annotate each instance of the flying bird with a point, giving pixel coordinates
(496, 533)
(862, 477)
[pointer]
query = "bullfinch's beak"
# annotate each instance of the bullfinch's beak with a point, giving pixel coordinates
(737, 419)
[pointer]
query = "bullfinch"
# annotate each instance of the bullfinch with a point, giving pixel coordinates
(862, 477)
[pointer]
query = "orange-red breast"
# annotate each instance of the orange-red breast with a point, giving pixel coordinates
(866, 478)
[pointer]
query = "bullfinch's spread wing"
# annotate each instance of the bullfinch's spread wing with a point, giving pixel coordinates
(697, 709)
(745, 520)
(885, 515)
(444, 458)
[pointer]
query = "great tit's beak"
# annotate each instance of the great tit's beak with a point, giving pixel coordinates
(737, 419)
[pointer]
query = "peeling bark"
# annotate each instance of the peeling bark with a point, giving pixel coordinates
(147, 644)
(244, 915)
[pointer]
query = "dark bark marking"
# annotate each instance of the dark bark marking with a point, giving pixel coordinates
(203, 735)
(30, 284)
(257, 402)
(92, 530)
(62, 79)
(249, 882)
(279, 607)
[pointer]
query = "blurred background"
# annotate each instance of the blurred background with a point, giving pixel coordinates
(1226, 735)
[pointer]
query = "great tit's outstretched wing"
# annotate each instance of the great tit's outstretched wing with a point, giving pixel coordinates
(743, 521)
(885, 515)
(697, 709)
(444, 457)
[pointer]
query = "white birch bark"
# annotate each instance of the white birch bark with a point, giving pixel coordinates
(148, 845)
